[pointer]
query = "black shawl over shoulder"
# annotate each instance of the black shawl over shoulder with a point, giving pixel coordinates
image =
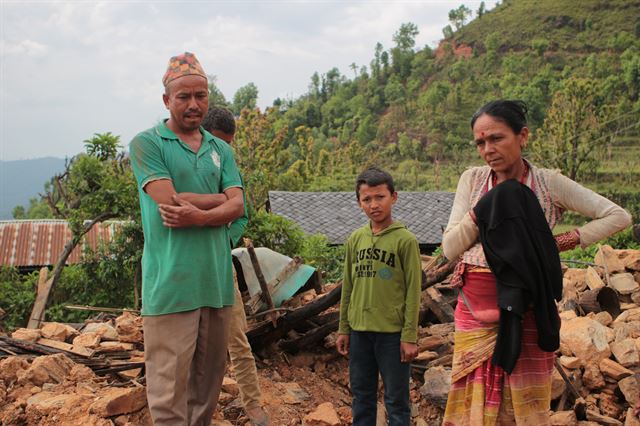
(522, 254)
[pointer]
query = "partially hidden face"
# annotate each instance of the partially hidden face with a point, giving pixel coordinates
(187, 101)
(377, 201)
(497, 143)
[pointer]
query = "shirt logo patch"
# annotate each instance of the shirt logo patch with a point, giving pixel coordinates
(385, 273)
(215, 158)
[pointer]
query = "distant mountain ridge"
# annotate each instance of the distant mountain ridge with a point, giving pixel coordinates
(22, 180)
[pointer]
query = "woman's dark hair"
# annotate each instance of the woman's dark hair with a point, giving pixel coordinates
(374, 176)
(512, 113)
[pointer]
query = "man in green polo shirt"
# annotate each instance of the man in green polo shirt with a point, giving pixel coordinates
(187, 284)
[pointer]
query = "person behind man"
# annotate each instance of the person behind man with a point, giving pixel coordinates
(187, 284)
(379, 304)
(221, 124)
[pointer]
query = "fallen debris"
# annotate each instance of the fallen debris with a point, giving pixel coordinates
(94, 374)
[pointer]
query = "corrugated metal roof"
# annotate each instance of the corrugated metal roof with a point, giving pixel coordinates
(337, 214)
(29, 243)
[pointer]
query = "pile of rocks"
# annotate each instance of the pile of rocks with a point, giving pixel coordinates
(599, 350)
(55, 389)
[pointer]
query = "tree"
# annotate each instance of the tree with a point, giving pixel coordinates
(216, 98)
(447, 32)
(577, 129)
(95, 186)
(540, 45)
(402, 54)
(245, 97)
(260, 153)
(481, 10)
(405, 37)
(459, 16)
(103, 146)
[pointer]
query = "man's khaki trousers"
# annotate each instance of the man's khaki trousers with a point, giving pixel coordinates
(185, 357)
(244, 365)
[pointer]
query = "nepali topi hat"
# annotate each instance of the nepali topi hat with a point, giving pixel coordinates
(181, 65)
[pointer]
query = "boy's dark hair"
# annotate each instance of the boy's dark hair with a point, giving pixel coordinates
(512, 113)
(219, 118)
(374, 176)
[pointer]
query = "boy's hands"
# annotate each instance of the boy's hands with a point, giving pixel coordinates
(342, 344)
(408, 351)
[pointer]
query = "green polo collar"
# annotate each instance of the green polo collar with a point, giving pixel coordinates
(166, 133)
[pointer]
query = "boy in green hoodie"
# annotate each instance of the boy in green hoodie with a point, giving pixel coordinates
(379, 304)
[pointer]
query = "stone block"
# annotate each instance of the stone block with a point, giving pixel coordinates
(630, 388)
(630, 259)
(437, 382)
(563, 418)
(624, 283)
(625, 352)
(10, 367)
(105, 330)
(630, 419)
(575, 278)
(593, 279)
(608, 258)
(570, 362)
(431, 342)
(427, 356)
(628, 316)
(603, 318)
(230, 386)
(612, 369)
(88, 340)
(57, 331)
(324, 415)
(129, 328)
(592, 377)
(116, 401)
(46, 369)
(586, 338)
(27, 334)
(293, 393)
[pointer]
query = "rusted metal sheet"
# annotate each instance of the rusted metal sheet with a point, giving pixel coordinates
(30, 243)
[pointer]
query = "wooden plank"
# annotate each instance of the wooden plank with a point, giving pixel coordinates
(266, 295)
(78, 350)
(438, 305)
(42, 295)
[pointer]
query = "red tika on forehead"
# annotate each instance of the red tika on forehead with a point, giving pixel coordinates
(181, 65)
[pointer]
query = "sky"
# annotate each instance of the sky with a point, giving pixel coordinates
(75, 68)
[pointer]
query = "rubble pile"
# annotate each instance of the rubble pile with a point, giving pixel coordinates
(93, 373)
(599, 343)
(61, 375)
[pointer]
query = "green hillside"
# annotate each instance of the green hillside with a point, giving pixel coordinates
(570, 26)
(576, 64)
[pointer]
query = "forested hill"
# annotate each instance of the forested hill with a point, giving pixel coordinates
(576, 64)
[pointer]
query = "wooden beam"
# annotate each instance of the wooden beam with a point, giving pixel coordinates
(42, 295)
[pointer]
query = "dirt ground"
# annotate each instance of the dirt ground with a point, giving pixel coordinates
(294, 385)
(60, 392)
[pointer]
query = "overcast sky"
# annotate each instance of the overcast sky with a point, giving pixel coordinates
(72, 69)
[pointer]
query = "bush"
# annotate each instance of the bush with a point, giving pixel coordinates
(621, 240)
(317, 252)
(286, 237)
(275, 232)
(17, 294)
